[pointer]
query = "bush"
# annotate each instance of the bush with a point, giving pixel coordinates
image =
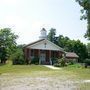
(87, 61)
(35, 60)
(60, 62)
(63, 62)
(54, 60)
(18, 57)
(71, 62)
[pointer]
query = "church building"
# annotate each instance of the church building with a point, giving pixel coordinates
(44, 49)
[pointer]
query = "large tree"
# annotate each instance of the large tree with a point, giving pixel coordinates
(88, 48)
(51, 35)
(80, 49)
(7, 43)
(86, 15)
(62, 41)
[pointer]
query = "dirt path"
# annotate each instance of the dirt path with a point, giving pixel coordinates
(52, 67)
(40, 83)
(36, 83)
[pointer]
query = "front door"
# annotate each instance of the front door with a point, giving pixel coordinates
(42, 57)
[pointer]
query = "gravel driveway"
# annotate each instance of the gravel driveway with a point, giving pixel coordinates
(8, 82)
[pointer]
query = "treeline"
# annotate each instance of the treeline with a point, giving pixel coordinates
(9, 49)
(82, 50)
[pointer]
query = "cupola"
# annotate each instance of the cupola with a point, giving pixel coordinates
(43, 34)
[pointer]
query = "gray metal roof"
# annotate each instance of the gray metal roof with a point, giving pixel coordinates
(71, 54)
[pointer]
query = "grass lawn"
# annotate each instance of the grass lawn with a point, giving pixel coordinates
(22, 69)
(79, 71)
(69, 73)
(71, 70)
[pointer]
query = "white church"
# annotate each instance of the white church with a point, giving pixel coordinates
(44, 50)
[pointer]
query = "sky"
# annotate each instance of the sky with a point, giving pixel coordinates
(27, 17)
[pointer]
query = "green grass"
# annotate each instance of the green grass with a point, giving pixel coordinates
(71, 71)
(22, 68)
(79, 71)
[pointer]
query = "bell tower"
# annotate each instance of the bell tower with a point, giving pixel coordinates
(43, 34)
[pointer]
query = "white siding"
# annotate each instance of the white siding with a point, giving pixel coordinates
(49, 46)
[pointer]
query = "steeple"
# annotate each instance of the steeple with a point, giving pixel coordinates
(43, 34)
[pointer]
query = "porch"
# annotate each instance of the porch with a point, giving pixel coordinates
(44, 56)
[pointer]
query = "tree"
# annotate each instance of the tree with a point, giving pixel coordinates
(86, 15)
(62, 41)
(18, 56)
(51, 35)
(88, 48)
(7, 43)
(73, 46)
(69, 46)
(80, 49)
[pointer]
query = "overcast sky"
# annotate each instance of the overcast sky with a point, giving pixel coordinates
(27, 17)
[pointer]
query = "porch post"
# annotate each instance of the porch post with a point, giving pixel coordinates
(25, 53)
(50, 57)
(29, 55)
(39, 56)
(59, 54)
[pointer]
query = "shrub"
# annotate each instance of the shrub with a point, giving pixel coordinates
(35, 60)
(71, 62)
(87, 61)
(54, 60)
(18, 57)
(63, 62)
(60, 62)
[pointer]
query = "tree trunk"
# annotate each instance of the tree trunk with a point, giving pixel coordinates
(3, 61)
